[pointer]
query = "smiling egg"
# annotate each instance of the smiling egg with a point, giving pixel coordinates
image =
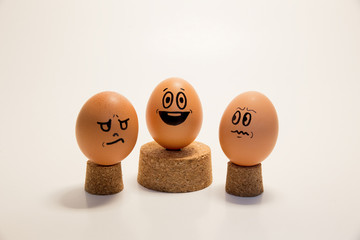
(174, 114)
(248, 129)
(107, 128)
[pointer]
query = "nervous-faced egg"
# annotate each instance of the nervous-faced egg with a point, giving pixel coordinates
(107, 128)
(248, 129)
(174, 113)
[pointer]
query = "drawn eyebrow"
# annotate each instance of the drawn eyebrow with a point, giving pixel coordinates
(182, 89)
(165, 89)
(250, 110)
(241, 108)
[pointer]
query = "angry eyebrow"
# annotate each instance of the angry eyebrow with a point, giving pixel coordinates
(182, 89)
(240, 108)
(165, 89)
(250, 110)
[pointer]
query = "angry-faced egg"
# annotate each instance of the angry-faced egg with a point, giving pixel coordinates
(107, 128)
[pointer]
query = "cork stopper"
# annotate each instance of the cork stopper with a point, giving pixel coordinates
(244, 181)
(103, 180)
(185, 170)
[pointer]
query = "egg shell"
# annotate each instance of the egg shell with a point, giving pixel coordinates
(248, 129)
(107, 128)
(174, 113)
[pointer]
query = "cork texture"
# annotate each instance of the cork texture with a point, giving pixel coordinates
(103, 180)
(185, 170)
(244, 181)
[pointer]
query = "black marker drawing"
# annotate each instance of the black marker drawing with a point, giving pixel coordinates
(120, 139)
(174, 117)
(246, 120)
(250, 110)
(239, 133)
(181, 100)
(106, 126)
(167, 99)
(124, 124)
(236, 117)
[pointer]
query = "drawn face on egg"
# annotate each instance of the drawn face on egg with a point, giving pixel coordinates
(174, 114)
(179, 115)
(111, 124)
(248, 129)
(241, 120)
(107, 128)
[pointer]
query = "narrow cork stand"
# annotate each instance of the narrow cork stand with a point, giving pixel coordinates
(103, 180)
(185, 170)
(244, 181)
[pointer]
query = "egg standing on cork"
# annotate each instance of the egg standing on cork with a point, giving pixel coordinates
(106, 132)
(174, 114)
(248, 132)
(174, 117)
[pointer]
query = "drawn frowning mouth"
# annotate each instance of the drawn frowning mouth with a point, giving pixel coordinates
(241, 133)
(113, 142)
(173, 118)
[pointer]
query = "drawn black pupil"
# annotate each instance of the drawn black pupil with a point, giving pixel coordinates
(105, 126)
(236, 117)
(246, 119)
(181, 100)
(124, 124)
(167, 99)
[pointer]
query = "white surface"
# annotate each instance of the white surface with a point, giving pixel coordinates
(304, 55)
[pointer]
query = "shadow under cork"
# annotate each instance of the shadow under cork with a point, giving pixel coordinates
(244, 200)
(266, 197)
(78, 198)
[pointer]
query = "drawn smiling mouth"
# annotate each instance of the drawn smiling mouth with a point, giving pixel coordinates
(120, 139)
(242, 133)
(173, 118)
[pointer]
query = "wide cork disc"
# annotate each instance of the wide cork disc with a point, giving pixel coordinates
(103, 180)
(244, 181)
(185, 170)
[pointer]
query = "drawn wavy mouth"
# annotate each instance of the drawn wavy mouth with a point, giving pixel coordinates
(118, 140)
(241, 133)
(173, 118)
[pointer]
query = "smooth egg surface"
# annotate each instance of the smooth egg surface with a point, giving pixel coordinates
(174, 114)
(248, 129)
(107, 128)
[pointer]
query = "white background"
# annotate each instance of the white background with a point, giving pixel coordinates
(304, 55)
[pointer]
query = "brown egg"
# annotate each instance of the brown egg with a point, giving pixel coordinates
(107, 128)
(174, 114)
(248, 129)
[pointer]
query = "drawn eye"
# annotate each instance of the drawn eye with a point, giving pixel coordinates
(181, 100)
(246, 119)
(124, 124)
(105, 126)
(167, 99)
(236, 117)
